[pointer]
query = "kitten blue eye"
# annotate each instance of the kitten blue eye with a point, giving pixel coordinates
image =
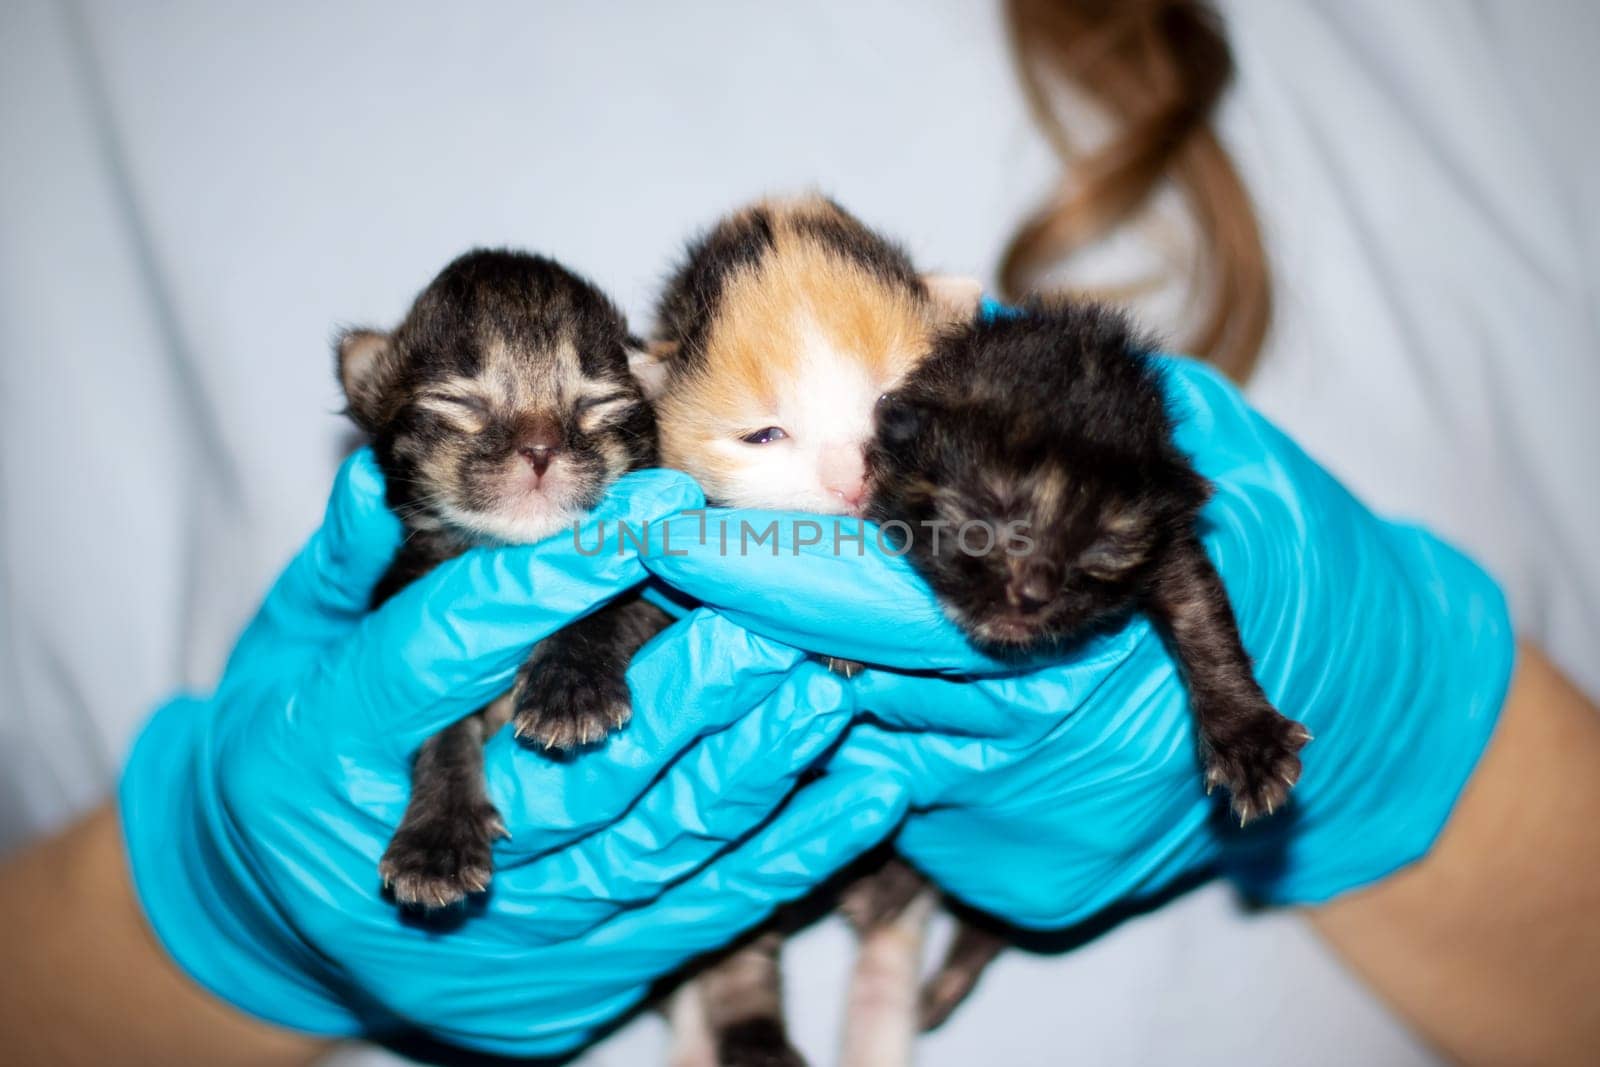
(765, 436)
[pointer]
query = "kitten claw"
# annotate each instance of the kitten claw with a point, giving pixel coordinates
(571, 708)
(1259, 763)
(436, 861)
(844, 668)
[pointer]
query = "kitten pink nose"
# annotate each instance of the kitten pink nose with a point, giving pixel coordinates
(844, 473)
(539, 444)
(538, 458)
(852, 495)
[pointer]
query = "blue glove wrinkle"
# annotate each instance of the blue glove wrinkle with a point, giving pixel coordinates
(1050, 795)
(810, 837)
(254, 820)
(698, 663)
(1311, 573)
(893, 619)
(471, 640)
(671, 830)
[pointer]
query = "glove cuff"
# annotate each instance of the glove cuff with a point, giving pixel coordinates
(220, 930)
(1375, 796)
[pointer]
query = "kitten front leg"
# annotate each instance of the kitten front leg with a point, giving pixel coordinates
(573, 690)
(442, 849)
(1249, 747)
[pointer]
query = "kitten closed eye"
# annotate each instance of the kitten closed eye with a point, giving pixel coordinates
(466, 412)
(593, 411)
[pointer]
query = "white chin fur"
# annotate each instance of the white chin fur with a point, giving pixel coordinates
(779, 477)
(515, 529)
(815, 502)
(523, 517)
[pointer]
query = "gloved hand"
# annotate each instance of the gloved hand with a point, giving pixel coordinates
(1047, 794)
(254, 819)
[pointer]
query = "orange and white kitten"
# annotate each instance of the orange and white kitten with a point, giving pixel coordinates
(776, 337)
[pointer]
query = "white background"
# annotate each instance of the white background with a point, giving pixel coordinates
(193, 195)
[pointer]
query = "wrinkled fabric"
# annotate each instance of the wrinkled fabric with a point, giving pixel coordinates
(254, 819)
(1049, 794)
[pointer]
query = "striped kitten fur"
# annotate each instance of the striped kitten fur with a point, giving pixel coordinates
(499, 410)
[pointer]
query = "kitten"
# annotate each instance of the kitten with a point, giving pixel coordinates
(1054, 418)
(777, 336)
(499, 411)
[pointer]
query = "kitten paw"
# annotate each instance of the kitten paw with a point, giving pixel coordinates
(757, 1042)
(1258, 764)
(564, 707)
(438, 862)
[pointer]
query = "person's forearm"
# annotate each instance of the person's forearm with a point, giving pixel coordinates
(82, 980)
(1490, 945)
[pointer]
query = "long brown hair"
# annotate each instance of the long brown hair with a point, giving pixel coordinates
(1157, 68)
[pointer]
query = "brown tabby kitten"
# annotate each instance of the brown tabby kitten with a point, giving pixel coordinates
(500, 410)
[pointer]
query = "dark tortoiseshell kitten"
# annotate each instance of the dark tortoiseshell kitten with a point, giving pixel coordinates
(1054, 417)
(500, 410)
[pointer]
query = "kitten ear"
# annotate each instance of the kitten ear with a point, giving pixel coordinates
(651, 365)
(368, 370)
(955, 297)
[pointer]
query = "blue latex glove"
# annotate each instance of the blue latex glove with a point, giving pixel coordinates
(1048, 794)
(254, 819)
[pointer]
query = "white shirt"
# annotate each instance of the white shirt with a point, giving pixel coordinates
(193, 195)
